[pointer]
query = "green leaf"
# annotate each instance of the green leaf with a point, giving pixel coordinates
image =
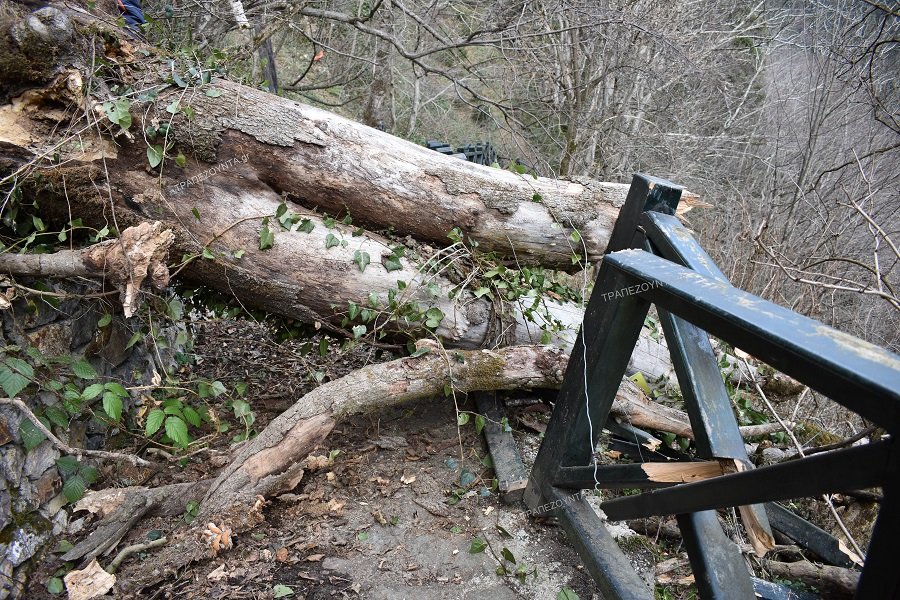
(361, 259)
(84, 370)
(11, 381)
(546, 337)
(116, 388)
(462, 418)
(266, 236)
(358, 331)
(104, 320)
(154, 155)
(90, 474)
(331, 241)
(177, 431)
(362, 536)
(217, 388)
(134, 339)
(31, 435)
(306, 226)
(74, 488)
(208, 254)
(181, 160)
(55, 585)
(67, 466)
(154, 421)
(196, 213)
(391, 262)
(352, 310)
(63, 546)
(479, 424)
(567, 594)
(638, 379)
(505, 553)
(575, 237)
(477, 546)
(38, 223)
(420, 352)
(215, 93)
(433, 317)
(57, 415)
(238, 253)
(192, 416)
(173, 107)
(112, 405)
(482, 291)
(118, 112)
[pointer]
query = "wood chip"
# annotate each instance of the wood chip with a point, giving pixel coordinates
(438, 509)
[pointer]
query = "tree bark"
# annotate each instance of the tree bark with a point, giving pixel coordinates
(268, 148)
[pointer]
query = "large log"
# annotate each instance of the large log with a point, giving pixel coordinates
(252, 151)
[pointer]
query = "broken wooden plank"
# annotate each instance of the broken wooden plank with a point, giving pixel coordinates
(508, 466)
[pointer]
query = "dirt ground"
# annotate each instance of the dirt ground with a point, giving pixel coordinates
(393, 515)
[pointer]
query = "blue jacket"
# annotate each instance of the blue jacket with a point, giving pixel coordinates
(132, 12)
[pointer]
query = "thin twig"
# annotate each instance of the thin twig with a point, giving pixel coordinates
(65, 448)
(799, 447)
(134, 548)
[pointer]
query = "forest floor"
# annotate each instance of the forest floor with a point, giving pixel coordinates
(398, 504)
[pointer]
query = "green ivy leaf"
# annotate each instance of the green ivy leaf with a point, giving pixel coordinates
(362, 260)
(135, 338)
(154, 421)
(505, 553)
(567, 594)
(173, 108)
(177, 431)
(104, 320)
(181, 160)
(433, 317)
(479, 424)
(266, 236)
(84, 370)
(215, 93)
(575, 237)
(462, 418)
(391, 262)
(154, 155)
(306, 226)
(118, 112)
(208, 254)
(477, 546)
(331, 241)
(358, 331)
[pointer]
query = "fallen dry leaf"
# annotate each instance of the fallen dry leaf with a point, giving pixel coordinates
(218, 573)
(407, 480)
(314, 557)
(282, 555)
(90, 582)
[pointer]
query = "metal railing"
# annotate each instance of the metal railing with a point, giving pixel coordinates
(651, 258)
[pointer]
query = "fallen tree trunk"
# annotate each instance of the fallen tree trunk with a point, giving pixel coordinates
(275, 461)
(138, 255)
(230, 220)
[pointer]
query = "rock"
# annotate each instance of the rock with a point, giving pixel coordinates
(25, 542)
(46, 487)
(11, 462)
(771, 456)
(39, 459)
(77, 525)
(5, 507)
(48, 23)
(52, 339)
(60, 522)
(9, 424)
